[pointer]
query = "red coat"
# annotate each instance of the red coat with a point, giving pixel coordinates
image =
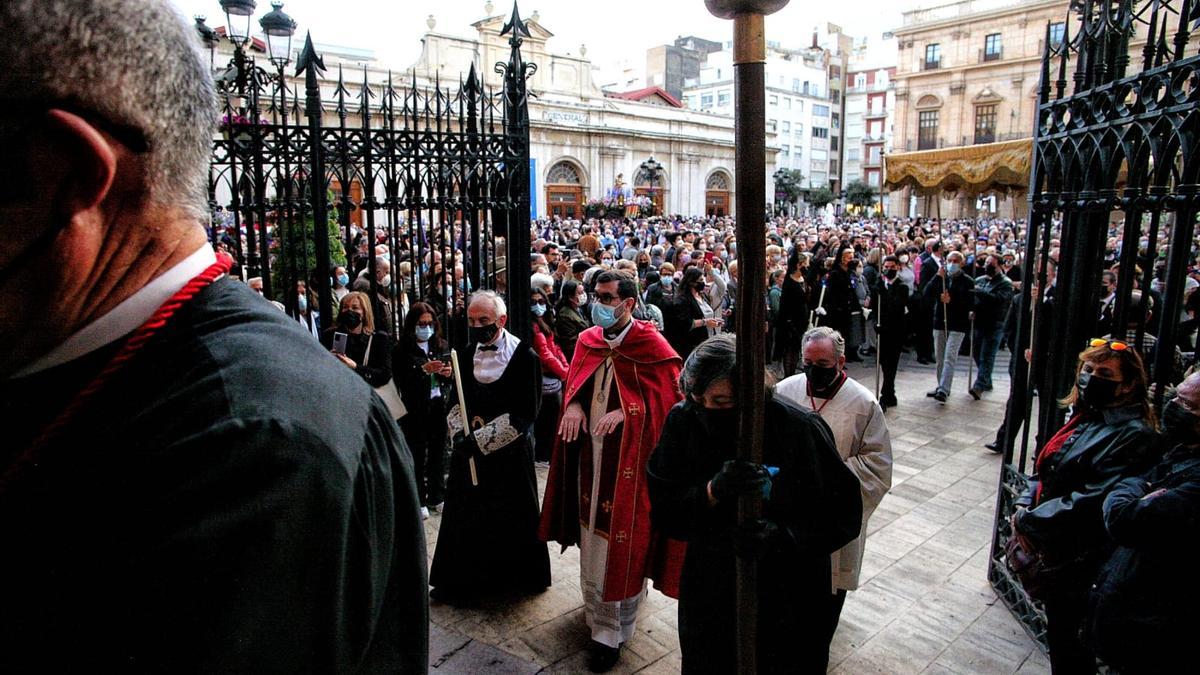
(646, 376)
(554, 362)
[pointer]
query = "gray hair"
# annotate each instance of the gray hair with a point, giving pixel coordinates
(713, 360)
(136, 63)
(493, 297)
(541, 281)
(825, 333)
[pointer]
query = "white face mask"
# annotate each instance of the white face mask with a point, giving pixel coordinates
(387, 281)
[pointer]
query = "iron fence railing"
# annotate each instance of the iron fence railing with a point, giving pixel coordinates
(1119, 136)
(437, 173)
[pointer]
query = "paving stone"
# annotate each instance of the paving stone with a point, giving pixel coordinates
(478, 658)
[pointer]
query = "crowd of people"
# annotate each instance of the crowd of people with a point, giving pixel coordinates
(196, 481)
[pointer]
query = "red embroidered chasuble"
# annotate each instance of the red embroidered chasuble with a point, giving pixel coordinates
(646, 379)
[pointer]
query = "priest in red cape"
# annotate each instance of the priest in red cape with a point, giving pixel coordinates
(622, 383)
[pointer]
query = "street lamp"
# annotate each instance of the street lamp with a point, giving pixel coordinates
(652, 169)
(782, 183)
(210, 39)
(237, 20)
(279, 29)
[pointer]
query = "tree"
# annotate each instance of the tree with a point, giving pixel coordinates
(860, 194)
(820, 197)
(299, 252)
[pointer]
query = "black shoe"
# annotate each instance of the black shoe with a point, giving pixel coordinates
(974, 393)
(993, 446)
(602, 658)
(925, 361)
(889, 401)
(940, 397)
(932, 393)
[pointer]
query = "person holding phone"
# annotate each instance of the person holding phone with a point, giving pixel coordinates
(354, 341)
(421, 366)
(694, 317)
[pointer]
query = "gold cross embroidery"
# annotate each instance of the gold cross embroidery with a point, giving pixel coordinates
(606, 505)
(634, 409)
(621, 537)
(627, 473)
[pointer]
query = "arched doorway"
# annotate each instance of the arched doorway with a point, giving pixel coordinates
(564, 191)
(656, 190)
(716, 195)
(356, 196)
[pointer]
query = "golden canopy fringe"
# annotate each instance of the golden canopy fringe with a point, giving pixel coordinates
(973, 169)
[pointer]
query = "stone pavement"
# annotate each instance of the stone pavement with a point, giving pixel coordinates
(924, 604)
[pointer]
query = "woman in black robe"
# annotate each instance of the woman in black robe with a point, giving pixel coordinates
(814, 508)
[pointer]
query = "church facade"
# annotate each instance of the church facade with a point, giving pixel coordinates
(582, 140)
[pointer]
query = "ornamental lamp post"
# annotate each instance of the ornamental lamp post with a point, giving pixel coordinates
(782, 181)
(209, 37)
(652, 169)
(750, 128)
(279, 29)
(237, 20)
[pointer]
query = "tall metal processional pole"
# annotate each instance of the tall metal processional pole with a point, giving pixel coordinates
(749, 67)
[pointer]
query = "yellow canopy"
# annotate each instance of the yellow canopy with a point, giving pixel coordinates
(974, 169)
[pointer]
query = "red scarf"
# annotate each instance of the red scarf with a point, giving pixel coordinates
(133, 343)
(1056, 442)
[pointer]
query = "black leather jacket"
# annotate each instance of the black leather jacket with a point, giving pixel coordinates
(1067, 521)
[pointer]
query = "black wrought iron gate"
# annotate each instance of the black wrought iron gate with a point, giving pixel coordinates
(1117, 147)
(437, 174)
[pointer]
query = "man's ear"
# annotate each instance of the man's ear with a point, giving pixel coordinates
(90, 159)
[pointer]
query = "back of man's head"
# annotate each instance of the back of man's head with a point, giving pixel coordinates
(132, 68)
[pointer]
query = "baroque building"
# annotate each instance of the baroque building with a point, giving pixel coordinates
(582, 139)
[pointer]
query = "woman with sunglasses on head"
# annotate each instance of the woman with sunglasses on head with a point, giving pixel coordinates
(421, 366)
(1059, 518)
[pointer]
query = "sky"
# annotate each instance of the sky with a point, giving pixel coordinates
(613, 30)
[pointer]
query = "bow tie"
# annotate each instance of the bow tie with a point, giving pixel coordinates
(488, 348)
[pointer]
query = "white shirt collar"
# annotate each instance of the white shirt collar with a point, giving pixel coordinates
(490, 364)
(127, 316)
(616, 342)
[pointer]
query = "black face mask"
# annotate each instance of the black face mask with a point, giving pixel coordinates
(890, 274)
(1178, 424)
(349, 320)
(820, 377)
(718, 423)
(991, 270)
(1096, 392)
(482, 334)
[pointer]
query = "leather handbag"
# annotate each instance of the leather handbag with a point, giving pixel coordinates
(1038, 573)
(387, 391)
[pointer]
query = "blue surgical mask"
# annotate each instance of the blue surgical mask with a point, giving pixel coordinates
(667, 281)
(539, 309)
(302, 303)
(343, 279)
(424, 333)
(953, 268)
(603, 315)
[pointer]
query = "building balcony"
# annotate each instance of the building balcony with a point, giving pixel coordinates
(875, 113)
(986, 56)
(872, 163)
(931, 64)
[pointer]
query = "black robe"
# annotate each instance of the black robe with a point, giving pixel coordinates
(814, 499)
(487, 543)
(234, 500)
